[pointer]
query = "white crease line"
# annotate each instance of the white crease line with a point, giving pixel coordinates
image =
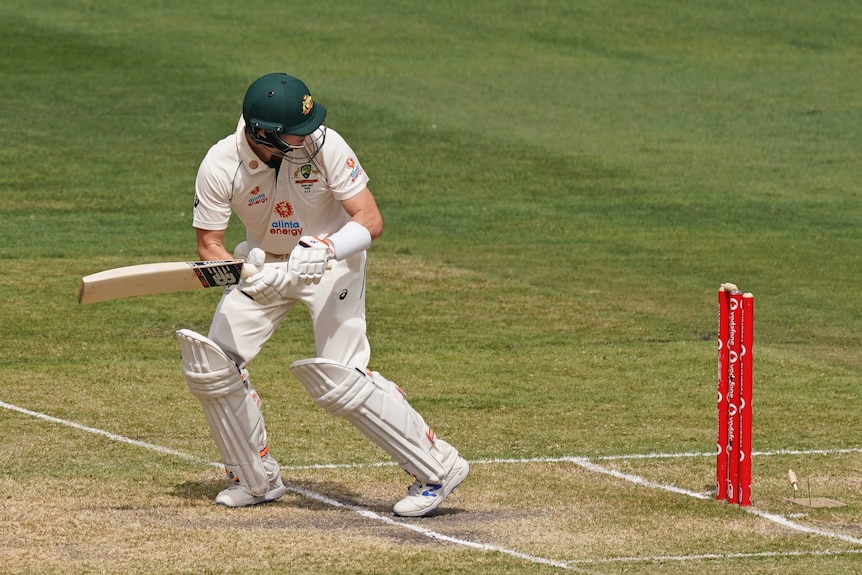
(771, 453)
(718, 556)
(428, 532)
(565, 458)
(635, 456)
(111, 436)
(367, 513)
(779, 519)
(637, 480)
(580, 461)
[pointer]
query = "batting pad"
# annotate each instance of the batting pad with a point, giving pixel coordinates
(377, 408)
(232, 413)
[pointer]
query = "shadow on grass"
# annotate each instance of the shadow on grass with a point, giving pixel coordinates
(335, 491)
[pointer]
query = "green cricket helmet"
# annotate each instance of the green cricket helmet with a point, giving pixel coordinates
(277, 105)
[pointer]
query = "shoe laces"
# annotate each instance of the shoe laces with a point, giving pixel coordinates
(419, 489)
(416, 488)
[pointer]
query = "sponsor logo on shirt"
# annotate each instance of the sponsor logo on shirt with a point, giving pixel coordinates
(256, 197)
(284, 209)
(285, 227)
(355, 169)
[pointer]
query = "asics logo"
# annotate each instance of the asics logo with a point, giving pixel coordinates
(431, 491)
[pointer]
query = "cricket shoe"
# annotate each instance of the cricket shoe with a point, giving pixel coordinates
(238, 495)
(423, 498)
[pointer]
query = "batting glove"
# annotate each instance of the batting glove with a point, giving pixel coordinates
(264, 283)
(309, 260)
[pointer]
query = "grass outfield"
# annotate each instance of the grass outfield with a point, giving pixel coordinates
(564, 185)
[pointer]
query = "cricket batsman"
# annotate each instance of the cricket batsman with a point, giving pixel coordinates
(303, 198)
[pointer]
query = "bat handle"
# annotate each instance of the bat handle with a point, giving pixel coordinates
(249, 270)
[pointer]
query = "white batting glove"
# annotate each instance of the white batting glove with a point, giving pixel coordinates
(264, 283)
(309, 260)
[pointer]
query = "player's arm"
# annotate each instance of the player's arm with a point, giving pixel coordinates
(365, 225)
(362, 209)
(211, 245)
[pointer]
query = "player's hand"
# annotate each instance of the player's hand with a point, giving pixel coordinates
(264, 283)
(308, 260)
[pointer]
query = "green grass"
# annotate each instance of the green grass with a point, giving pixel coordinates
(564, 186)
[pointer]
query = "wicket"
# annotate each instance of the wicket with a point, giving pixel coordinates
(735, 369)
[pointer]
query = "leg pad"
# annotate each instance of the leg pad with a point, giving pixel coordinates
(377, 408)
(231, 407)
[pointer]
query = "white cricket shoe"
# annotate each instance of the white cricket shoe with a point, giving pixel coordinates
(238, 495)
(423, 498)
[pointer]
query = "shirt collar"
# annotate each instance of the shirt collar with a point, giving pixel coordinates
(246, 155)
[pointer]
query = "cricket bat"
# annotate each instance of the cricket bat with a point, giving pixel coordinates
(163, 277)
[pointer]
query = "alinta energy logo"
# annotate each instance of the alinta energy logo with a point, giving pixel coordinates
(284, 209)
(285, 227)
(256, 197)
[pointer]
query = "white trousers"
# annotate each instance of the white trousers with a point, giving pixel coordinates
(242, 326)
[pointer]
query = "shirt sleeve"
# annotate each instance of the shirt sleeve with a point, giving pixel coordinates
(343, 170)
(212, 200)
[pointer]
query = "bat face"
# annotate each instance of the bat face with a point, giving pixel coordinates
(163, 277)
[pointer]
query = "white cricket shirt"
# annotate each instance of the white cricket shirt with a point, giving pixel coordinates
(302, 201)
